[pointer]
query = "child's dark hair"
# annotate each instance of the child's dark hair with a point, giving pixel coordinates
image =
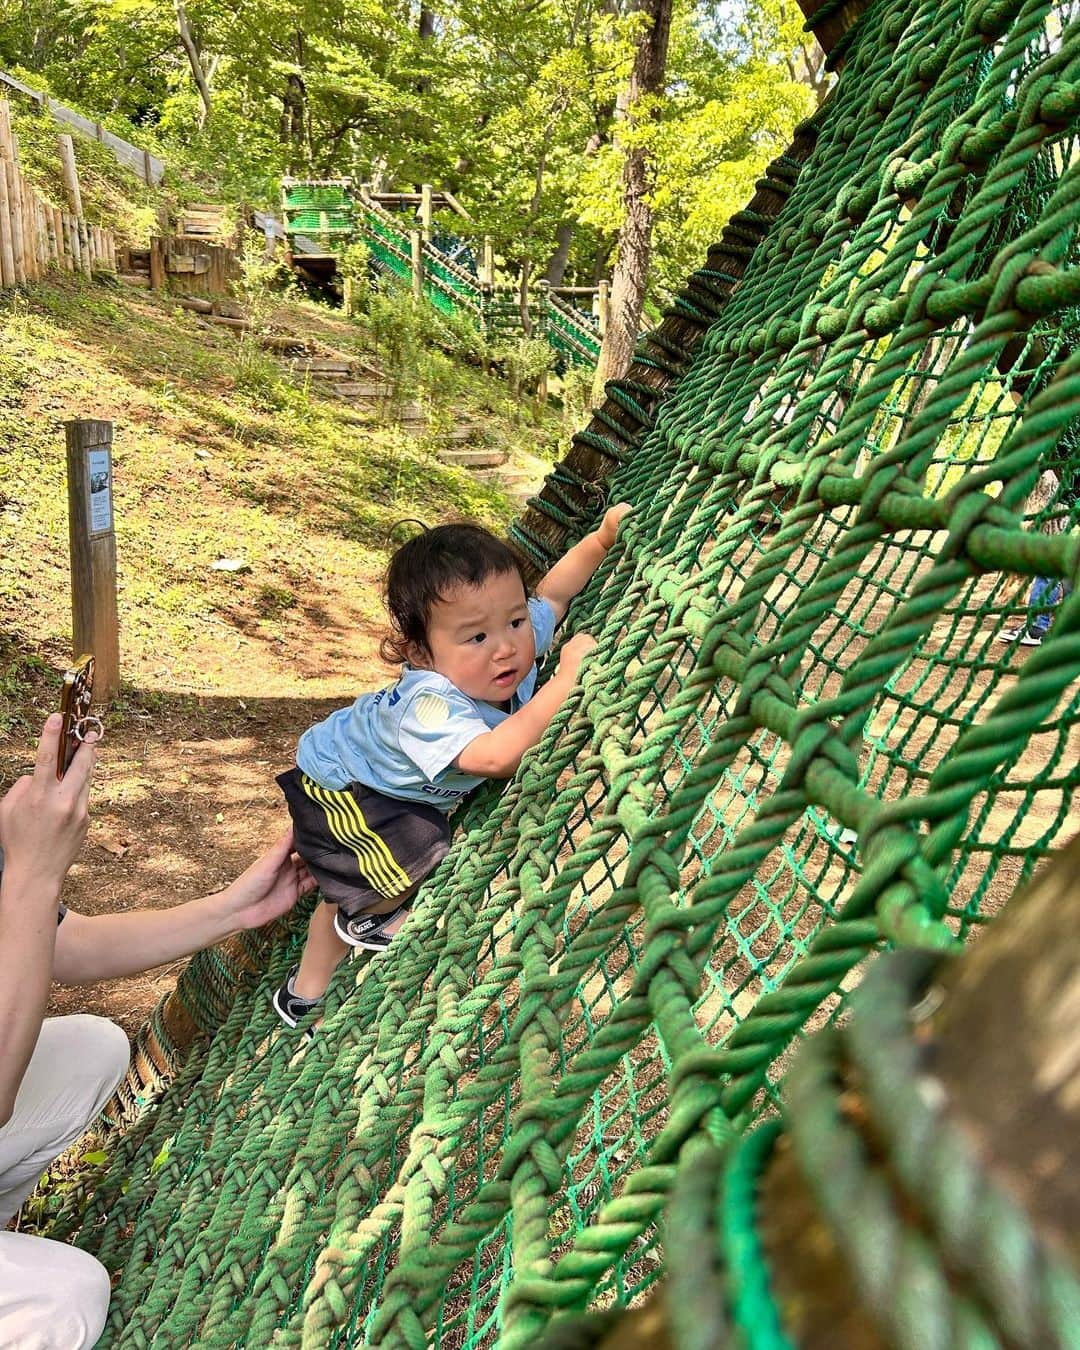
(428, 568)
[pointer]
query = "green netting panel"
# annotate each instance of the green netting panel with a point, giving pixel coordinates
(798, 637)
(391, 250)
(323, 212)
(452, 278)
(571, 336)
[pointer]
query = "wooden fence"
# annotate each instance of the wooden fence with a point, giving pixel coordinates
(149, 168)
(35, 234)
(192, 266)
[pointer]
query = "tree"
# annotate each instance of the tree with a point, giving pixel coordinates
(194, 56)
(522, 108)
(643, 97)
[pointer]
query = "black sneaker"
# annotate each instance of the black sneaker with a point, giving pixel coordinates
(289, 1006)
(367, 930)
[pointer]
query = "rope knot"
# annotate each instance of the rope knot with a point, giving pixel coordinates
(854, 201)
(909, 178)
(1060, 104)
(930, 67)
(918, 297)
(968, 506)
(1007, 274)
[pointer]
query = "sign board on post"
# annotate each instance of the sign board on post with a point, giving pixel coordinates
(95, 627)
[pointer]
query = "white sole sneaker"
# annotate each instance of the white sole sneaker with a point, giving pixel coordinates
(367, 931)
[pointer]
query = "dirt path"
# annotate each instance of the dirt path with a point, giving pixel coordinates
(185, 795)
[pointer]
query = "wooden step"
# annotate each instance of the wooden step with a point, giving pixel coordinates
(515, 477)
(488, 458)
(134, 279)
(324, 366)
(359, 389)
(223, 321)
(201, 220)
(464, 433)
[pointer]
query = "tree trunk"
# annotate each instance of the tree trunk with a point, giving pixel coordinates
(556, 268)
(426, 32)
(523, 299)
(294, 102)
(534, 211)
(294, 128)
(635, 235)
(564, 235)
(194, 58)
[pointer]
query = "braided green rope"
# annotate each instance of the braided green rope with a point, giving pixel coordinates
(974, 1254)
(752, 1307)
(1034, 1296)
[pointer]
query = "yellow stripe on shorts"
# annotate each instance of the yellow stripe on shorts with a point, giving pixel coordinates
(348, 826)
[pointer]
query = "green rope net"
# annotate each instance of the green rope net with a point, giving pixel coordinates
(798, 639)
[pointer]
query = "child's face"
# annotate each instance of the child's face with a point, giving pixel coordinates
(481, 638)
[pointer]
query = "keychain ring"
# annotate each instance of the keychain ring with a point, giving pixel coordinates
(85, 724)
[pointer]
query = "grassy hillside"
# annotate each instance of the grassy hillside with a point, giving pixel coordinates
(113, 195)
(219, 453)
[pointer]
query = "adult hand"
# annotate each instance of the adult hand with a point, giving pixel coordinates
(269, 888)
(609, 526)
(573, 653)
(43, 821)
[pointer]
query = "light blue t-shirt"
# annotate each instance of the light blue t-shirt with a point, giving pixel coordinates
(403, 740)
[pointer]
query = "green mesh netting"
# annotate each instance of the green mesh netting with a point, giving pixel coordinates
(452, 290)
(798, 637)
(322, 212)
(570, 333)
(390, 248)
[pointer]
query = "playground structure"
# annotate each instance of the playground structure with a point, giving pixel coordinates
(829, 444)
(322, 216)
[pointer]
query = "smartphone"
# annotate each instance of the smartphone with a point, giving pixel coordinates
(75, 699)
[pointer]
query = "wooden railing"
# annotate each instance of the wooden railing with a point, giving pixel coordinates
(149, 168)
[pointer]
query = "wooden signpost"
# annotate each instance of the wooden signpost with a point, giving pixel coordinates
(93, 550)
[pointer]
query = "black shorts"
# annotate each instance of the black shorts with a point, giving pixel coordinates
(361, 847)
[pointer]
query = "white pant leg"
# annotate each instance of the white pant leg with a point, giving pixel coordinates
(52, 1297)
(76, 1064)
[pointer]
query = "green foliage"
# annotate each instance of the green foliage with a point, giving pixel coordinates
(415, 341)
(526, 361)
(112, 194)
(515, 108)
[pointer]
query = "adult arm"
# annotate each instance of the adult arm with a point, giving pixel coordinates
(573, 570)
(497, 753)
(42, 825)
(108, 946)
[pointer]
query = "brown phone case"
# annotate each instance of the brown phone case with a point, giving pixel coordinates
(75, 699)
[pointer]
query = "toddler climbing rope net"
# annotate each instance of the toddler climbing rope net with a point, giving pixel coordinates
(799, 638)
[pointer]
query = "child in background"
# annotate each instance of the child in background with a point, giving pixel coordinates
(374, 783)
(1053, 501)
